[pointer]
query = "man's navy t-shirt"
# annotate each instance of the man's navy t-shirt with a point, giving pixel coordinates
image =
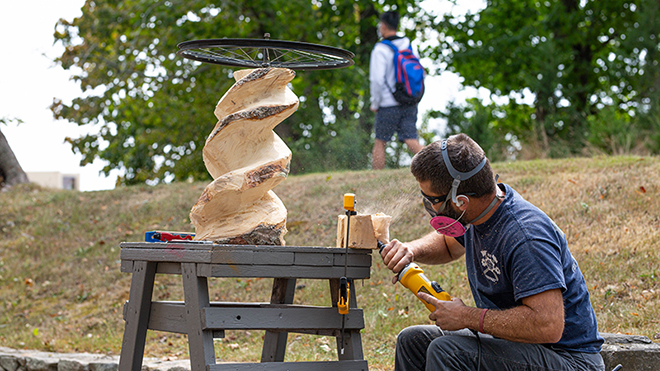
(518, 252)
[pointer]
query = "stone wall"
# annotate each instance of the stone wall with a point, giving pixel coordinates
(32, 360)
(634, 353)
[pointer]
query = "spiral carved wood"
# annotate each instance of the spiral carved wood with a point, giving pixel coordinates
(247, 159)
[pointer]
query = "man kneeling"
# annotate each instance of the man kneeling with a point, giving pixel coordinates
(532, 305)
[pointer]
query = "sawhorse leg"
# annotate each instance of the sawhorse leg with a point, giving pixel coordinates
(200, 342)
(352, 339)
(137, 316)
(275, 342)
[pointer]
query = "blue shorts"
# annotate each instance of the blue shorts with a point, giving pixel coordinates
(396, 119)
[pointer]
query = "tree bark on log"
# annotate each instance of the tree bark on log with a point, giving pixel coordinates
(246, 160)
(11, 172)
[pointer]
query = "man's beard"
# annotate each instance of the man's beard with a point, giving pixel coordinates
(450, 212)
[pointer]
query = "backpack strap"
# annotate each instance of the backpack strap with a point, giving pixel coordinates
(396, 67)
(390, 44)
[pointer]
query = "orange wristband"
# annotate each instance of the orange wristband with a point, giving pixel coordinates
(481, 320)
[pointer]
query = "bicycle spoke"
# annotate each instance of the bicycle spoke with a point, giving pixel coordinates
(227, 53)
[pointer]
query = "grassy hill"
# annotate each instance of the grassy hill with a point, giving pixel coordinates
(61, 288)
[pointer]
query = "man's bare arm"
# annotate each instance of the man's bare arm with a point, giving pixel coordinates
(433, 248)
(539, 320)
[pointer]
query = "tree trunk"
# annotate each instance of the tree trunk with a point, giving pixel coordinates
(11, 172)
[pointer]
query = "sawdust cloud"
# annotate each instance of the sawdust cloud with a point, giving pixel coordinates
(394, 205)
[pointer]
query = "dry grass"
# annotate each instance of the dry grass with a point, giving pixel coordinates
(61, 288)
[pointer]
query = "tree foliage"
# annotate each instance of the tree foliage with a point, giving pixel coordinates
(577, 58)
(154, 109)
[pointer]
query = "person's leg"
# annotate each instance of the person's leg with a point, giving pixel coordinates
(587, 361)
(384, 126)
(408, 128)
(466, 352)
(413, 145)
(378, 155)
(411, 344)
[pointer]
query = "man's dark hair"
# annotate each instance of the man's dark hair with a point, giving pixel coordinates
(390, 19)
(465, 154)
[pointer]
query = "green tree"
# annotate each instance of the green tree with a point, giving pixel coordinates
(481, 123)
(576, 57)
(154, 109)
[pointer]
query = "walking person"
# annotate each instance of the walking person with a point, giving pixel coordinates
(391, 116)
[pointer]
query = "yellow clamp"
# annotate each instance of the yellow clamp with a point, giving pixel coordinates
(344, 293)
(349, 201)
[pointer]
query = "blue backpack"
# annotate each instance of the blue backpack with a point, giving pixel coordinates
(409, 73)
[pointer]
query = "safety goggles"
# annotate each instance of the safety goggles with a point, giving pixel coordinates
(430, 201)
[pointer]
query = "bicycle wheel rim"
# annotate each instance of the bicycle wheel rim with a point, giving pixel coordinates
(259, 53)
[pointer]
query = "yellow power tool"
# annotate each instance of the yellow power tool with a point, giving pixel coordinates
(413, 278)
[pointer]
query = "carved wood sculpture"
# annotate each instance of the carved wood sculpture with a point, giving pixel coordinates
(246, 160)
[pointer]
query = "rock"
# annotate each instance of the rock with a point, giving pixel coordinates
(69, 365)
(94, 366)
(36, 364)
(634, 353)
(9, 363)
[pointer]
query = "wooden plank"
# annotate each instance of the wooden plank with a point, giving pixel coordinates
(267, 248)
(167, 255)
(232, 256)
(275, 342)
(137, 316)
(235, 254)
(314, 259)
(274, 258)
(217, 270)
(281, 319)
(168, 316)
(126, 266)
(215, 247)
(168, 268)
(166, 245)
(354, 260)
(357, 365)
(200, 343)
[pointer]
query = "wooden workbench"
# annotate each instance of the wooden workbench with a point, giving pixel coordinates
(203, 320)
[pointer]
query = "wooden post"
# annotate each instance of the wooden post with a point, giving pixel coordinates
(137, 315)
(196, 294)
(275, 342)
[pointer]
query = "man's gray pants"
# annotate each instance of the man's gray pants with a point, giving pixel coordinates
(425, 348)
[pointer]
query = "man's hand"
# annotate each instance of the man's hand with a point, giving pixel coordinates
(396, 255)
(447, 315)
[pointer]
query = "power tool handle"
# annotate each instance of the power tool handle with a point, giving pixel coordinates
(381, 246)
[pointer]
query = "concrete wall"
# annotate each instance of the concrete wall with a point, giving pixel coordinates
(55, 179)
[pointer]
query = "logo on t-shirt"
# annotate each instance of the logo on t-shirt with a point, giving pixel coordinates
(489, 263)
